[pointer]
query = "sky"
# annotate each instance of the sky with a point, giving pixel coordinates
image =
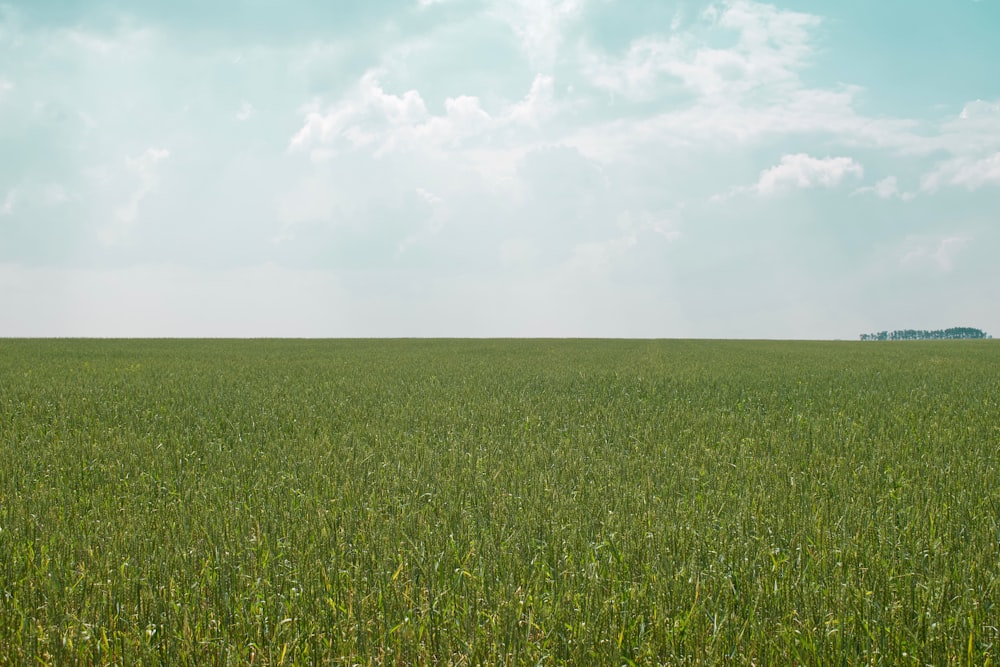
(507, 168)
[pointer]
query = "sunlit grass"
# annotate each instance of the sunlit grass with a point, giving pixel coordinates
(471, 502)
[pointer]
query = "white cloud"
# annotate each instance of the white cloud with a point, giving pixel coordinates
(8, 202)
(747, 92)
(32, 194)
(429, 197)
(5, 87)
(370, 117)
(246, 112)
(803, 171)
(751, 91)
(721, 121)
(125, 41)
(966, 172)
(938, 253)
(144, 168)
(634, 74)
(980, 109)
(313, 200)
(430, 215)
(90, 42)
(800, 171)
(597, 257)
(771, 47)
(772, 34)
(973, 133)
(537, 106)
(539, 25)
(887, 188)
(644, 221)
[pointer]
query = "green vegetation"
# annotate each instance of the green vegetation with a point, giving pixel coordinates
(499, 502)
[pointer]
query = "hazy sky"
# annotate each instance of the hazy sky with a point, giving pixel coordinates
(498, 167)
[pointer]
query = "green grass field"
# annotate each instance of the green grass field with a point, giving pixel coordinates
(499, 502)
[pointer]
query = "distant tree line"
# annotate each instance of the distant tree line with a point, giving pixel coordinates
(954, 333)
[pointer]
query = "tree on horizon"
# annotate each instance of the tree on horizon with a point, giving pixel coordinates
(954, 333)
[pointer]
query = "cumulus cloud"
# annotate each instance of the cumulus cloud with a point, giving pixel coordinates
(644, 221)
(29, 194)
(979, 110)
(972, 133)
(344, 122)
(8, 202)
(887, 188)
(801, 171)
(246, 112)
(751, 90)
(939, 253)
(386, 122)
(771, 47)
(537, 106)
(125, 42)
(144, 168)
(429, 197)
(634, 228)
(967, 172)
(539, 25)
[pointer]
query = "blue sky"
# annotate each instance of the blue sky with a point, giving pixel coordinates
(728, 169)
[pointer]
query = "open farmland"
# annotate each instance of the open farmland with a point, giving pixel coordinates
(499, 502)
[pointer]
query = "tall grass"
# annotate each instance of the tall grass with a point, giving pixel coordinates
(499, 502)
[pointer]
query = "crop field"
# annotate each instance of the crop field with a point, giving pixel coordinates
(281, 502)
